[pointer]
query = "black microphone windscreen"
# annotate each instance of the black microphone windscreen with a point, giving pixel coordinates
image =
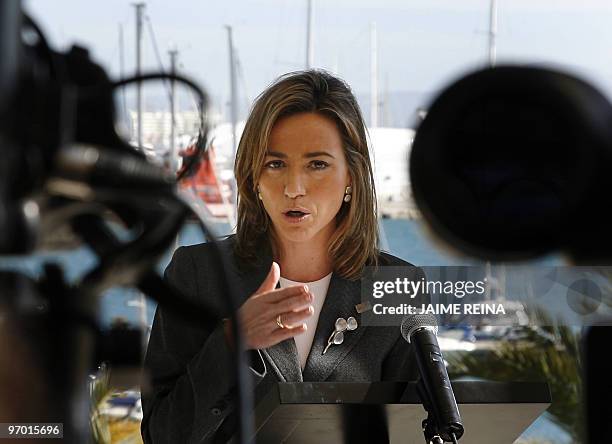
(412, 323)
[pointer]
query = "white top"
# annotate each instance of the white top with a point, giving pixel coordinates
(303, 341)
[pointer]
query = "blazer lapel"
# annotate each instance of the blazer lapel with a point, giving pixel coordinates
(283, 356)
(342, 296)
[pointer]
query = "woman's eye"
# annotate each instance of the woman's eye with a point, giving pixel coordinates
(274, 164)
(318, 165)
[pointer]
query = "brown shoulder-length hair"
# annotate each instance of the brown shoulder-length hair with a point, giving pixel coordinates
(354, 244)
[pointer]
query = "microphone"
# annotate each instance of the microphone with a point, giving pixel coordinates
(420, 330)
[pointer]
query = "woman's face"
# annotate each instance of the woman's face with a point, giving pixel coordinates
(304, 171)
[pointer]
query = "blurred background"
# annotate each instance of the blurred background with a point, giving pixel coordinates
(396, 55)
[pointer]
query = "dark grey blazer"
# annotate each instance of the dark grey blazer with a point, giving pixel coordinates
(192, 389)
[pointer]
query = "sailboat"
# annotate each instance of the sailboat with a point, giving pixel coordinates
(207, 185)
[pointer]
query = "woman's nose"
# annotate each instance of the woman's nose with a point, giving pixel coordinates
(294, 187)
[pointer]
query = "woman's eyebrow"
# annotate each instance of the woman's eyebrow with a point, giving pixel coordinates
(276, 154)
(318, 153)
(307, 155)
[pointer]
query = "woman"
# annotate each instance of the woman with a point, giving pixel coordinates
(306, 221)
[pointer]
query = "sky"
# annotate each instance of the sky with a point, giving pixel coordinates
(422, 44)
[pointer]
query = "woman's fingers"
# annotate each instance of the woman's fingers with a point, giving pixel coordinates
(295, 318)
(280, 334)
(292, 303)
(275, 296)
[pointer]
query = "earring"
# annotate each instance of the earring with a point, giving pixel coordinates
(259, 193)
(348, 194)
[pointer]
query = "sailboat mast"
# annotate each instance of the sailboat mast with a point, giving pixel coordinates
(309, 34)
(373, 77)
(173, 53)
(122, 73)
(492, 49)
(142, 307)
(139, 12)
(233, 89)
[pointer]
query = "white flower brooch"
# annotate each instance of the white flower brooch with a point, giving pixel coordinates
(337, 336)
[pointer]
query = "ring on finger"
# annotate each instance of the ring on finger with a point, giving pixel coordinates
(279, 322)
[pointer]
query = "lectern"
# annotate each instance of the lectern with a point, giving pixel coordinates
(346, 412)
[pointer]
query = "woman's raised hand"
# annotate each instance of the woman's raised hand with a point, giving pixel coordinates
(259, 313)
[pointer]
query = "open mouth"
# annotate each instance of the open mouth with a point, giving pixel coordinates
(295, 214)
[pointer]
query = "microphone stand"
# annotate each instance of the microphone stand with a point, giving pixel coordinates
(429, 425)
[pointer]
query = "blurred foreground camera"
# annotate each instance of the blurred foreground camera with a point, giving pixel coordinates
(65, 166)
(514, 162)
